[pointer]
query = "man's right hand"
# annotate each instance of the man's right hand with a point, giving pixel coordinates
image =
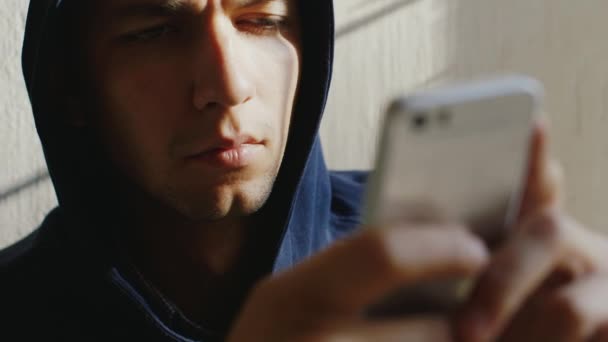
(324, 298)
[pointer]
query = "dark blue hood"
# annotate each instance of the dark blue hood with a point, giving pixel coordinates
(309, 207)
(299, 209)
(66, 282)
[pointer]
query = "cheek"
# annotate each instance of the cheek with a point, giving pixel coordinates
(277, 72)
(140, 113)
(150, 92)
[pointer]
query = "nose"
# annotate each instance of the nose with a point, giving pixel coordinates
(222, 76)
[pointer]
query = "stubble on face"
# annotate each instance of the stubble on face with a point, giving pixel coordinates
(150, 82)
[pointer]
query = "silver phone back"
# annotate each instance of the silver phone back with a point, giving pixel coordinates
(458, 154)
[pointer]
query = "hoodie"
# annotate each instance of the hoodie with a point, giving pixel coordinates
(65, 281)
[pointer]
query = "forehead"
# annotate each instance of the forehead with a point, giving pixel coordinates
(118, 5)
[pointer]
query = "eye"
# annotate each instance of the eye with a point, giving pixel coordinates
(262, 25)
(149, 34)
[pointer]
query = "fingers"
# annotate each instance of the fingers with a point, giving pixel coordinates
(378, 261)
(352, 274)
(512, 275)
(337, 285)
(547, 245)
(545, 177)
(429, 330)
(578, 312)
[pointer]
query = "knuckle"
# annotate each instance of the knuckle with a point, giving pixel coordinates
(546, 225)
(376, 252)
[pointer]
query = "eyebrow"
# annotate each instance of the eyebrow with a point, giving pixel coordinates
(249, 3)
(171, 7)
(150, 9)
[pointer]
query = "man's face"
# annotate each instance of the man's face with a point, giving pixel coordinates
(194, 97)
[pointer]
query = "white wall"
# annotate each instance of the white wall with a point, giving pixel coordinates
(561, 42)
(417, 44)
(20, 152)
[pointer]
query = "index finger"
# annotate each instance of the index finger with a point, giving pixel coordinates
(515, 271)
(353, 274)
(547, 242)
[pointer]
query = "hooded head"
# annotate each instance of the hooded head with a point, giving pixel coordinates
(204, 109)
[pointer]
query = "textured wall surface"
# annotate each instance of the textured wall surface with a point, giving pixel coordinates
(561, 42)
(24, 196)
(388, 47)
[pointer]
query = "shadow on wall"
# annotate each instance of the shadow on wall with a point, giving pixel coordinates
(345, 30)
(371, 17)
(38, 178)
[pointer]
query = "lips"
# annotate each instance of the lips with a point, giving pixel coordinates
(231, 153)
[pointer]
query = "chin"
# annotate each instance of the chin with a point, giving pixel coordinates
(234, 201)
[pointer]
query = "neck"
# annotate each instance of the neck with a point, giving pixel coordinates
(196, 265)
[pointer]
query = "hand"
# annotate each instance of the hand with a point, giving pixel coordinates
(550, 281)
(323, 298)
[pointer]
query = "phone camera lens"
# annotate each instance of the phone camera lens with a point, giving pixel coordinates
(419, 121)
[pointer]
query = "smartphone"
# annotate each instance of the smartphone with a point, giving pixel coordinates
(459, 153)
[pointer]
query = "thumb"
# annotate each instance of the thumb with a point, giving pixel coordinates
(544, 181)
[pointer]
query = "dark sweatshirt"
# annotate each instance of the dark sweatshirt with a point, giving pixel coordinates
(67, 282)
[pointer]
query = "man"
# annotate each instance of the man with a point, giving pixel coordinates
(181, 137)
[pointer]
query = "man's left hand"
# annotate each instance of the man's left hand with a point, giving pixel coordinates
(549, 281)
